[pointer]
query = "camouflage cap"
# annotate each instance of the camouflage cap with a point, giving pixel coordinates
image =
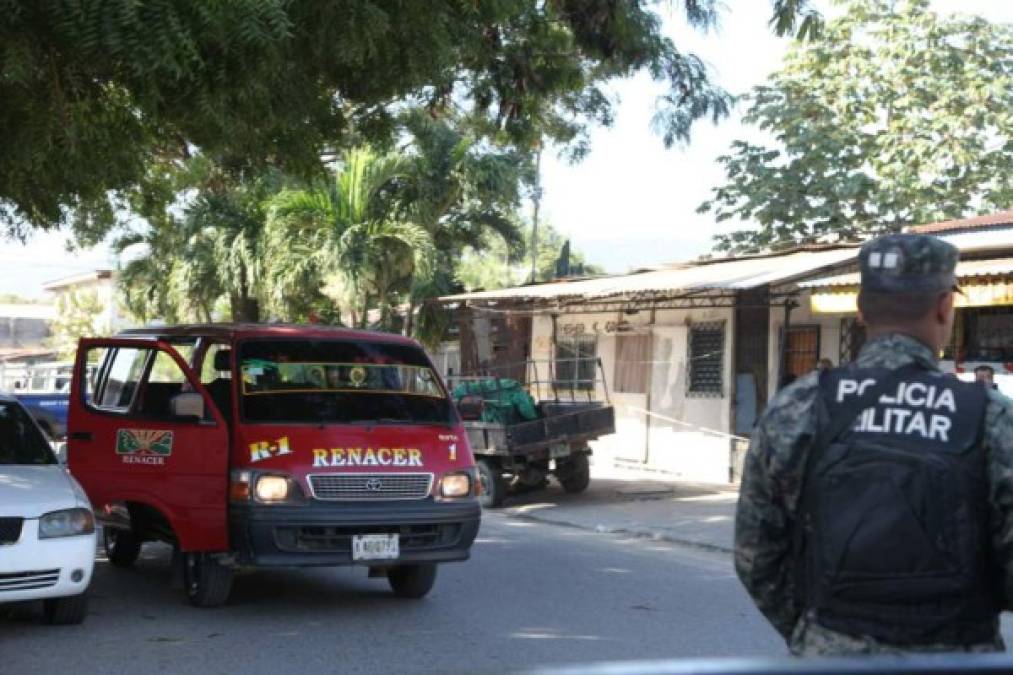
(908, 263)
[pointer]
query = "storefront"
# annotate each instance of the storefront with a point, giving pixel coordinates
(983, 329)
(681, 351)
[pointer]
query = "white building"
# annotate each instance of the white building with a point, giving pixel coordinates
(690, 353)
(102, 285)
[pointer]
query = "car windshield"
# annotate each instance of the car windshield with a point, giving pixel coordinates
(21, 442)
(339, 381)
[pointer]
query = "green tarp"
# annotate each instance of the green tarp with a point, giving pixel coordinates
(506, 401)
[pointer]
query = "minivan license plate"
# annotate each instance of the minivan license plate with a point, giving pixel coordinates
(375, 547)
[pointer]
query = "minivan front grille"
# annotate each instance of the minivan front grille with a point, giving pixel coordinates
(371, 486)
(24, 581)
(10, 530)
(338, 539)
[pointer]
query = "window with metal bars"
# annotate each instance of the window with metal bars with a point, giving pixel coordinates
(575, 362)
(803, 350)
(706, 359)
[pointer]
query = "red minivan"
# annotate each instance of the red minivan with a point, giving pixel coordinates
(272, 445)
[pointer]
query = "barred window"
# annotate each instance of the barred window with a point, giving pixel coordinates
(706, 359)
(803, 350)
(576, 359)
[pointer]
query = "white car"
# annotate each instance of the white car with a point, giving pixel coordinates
(47, 528)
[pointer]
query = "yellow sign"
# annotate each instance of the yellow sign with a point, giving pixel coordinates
(834, 303)
(991, 294)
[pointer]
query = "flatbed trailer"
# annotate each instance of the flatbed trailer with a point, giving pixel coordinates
(520, 455)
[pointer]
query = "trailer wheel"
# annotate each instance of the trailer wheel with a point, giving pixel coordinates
(122, 546)
(66, 610)
(494, 486)
(576, 474)
(412, 581)
(207, 581)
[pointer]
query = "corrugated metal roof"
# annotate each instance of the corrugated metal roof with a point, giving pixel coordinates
(990, 220)
(76, 279)
(981, 240)
(967, 269)
(745, 272)
(25, 311)
(729, 275)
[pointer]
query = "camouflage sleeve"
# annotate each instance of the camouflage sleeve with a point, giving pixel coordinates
(767, 499)
(999, 446)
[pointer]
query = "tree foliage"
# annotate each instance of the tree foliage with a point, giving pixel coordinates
(96, 91)
(347, 230)
(184, 258)
(495, 265)
(895, 116)
(385, 229)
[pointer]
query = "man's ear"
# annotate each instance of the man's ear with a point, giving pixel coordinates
(944, 307)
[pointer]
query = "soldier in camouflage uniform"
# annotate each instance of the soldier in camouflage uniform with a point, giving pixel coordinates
(900, 274)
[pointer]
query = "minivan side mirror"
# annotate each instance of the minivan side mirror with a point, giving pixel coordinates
(470, 408)
(189, 405)
(60, 450)
(223, 360)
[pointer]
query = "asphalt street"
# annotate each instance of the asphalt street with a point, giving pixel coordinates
(532, 594)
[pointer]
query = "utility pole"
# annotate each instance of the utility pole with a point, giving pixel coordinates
(536, 199)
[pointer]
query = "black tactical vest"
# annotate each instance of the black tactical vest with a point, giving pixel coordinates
(894, 534)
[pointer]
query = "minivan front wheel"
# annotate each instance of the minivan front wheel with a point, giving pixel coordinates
(412, 581)
(208, 583)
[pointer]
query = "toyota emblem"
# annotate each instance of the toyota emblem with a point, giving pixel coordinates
(374, 484)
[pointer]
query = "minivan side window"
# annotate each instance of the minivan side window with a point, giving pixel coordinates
(122, 377)
(165, 380)
(216, 377)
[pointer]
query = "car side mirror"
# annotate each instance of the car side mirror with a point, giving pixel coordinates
(470, 407)
(188, 405)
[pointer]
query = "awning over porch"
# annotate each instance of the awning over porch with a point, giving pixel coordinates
(687, 281)
(985, 283)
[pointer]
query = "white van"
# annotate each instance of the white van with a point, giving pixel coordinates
(47, 528)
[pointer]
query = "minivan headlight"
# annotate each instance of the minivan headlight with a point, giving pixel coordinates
(272, 488)
(456, 485)
(66, 523)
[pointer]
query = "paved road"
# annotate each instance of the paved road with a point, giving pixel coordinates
(532, 594)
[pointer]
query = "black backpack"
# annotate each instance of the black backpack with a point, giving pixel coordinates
(893, 538)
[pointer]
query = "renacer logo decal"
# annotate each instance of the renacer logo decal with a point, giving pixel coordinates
(143, 446)
(367, 457)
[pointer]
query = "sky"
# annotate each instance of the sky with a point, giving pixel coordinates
(631, 203)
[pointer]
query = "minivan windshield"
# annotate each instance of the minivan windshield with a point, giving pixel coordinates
(339, 381)
(21, 442)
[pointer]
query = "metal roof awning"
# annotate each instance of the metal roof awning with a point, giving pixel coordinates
(968, 269)
(984, 283)
(989, 220)
(720, 276)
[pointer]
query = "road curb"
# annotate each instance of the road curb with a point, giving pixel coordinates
(653, 535)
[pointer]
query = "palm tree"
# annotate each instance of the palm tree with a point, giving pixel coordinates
(462, 192)
(222, 249)
(156, 283)
(347, 234)
(180, 268)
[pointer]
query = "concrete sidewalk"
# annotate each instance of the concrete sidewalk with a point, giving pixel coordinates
(637, 503)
